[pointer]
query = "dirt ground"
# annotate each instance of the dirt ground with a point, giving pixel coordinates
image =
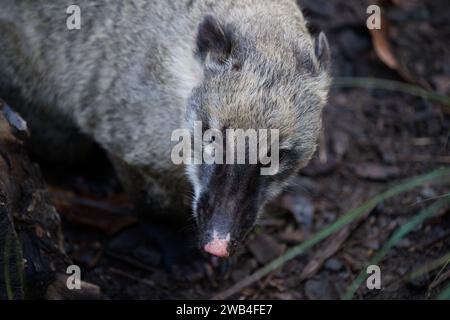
(372, 139)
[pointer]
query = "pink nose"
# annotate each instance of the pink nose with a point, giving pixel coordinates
(217, 247)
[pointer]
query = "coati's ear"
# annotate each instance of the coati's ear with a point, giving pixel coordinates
(322, 51)
(214, 40)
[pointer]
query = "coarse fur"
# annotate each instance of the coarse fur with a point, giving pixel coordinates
(139, 69)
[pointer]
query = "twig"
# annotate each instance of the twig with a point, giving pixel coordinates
(58, 290)
(132, 277)
(438, 279)
(424, 158)
(64, 196)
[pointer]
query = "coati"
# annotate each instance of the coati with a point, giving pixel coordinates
(139, 69)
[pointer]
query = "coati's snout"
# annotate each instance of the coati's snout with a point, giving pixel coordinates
(227, 206)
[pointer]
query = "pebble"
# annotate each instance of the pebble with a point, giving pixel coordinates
(316, 289)
(333, 264)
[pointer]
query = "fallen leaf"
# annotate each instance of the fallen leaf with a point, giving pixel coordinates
(109, 215)
(384, 51)
(382, 46)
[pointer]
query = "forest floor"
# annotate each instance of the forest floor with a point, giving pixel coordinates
(372, 139)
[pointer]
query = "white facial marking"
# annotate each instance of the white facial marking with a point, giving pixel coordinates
(218, 236)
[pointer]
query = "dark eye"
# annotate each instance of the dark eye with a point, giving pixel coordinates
(236, 66)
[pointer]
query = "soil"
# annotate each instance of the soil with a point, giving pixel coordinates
(372, 139)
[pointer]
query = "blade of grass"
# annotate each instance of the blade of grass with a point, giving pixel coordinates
(338, 224)
(437, 279)
(428, 267)
(444, 295)
(391, 85)
(393, 240)
(424, 269)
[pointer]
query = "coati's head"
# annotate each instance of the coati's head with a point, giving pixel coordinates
(260, 74)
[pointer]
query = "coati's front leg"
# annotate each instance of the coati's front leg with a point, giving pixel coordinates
(157, 196)
(163, 211)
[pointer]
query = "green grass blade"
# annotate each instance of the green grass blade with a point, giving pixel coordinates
(394, 239)
(428, 267)
(444, 295)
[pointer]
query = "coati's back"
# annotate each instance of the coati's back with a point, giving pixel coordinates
(117, 58)
(40, 50)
